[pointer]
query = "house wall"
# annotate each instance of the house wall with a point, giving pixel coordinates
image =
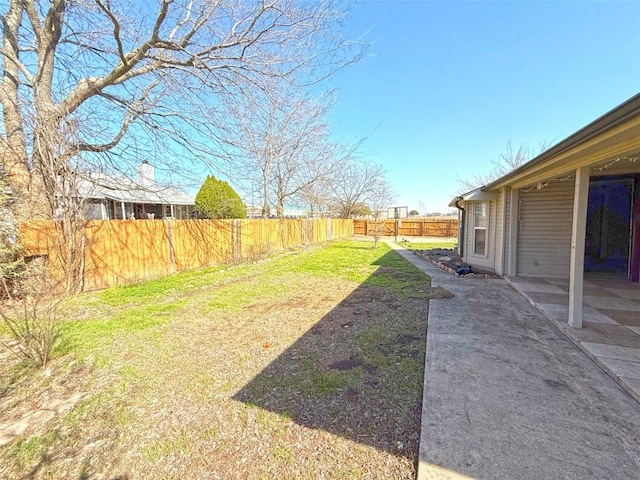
(544, 230)
(481, 261)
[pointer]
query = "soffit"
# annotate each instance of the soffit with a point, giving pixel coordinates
(613, 147)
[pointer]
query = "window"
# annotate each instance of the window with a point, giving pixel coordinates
(92, 209)
(480, 221)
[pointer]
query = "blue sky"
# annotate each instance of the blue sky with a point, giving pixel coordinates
(447, 84)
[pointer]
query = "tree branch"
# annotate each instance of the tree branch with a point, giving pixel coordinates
(116, 31)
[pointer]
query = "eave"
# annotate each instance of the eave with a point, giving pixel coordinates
(615, 133)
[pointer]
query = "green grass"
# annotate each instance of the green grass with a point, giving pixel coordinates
(400, 276)
(30, 451)
(171, 285)
(142, 306)
(353, 261)
(193, 342)
(428, 246)
(358, 262)
(178, 444)
(233, 296)
(326, 383)
(282, 452)
(88, 334)
(370, 343)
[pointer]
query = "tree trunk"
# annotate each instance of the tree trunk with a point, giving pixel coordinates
(13, 151)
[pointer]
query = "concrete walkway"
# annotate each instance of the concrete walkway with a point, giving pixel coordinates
(507, 396)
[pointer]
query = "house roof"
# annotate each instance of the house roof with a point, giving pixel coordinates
(122, 189)
(615, 117)
(608, 123)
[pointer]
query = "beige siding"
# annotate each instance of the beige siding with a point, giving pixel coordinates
(544, 230)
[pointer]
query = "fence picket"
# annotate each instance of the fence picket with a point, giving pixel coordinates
(422, 227)
(120, 251)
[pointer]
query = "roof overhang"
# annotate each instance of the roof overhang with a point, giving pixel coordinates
(477, 195)
(146, 200)
(611, 136)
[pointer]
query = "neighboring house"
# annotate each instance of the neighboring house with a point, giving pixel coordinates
(573, 211)
(255, 211)
(110, 197)
(293, 211)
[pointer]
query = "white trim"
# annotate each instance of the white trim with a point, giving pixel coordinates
(487, 213)
(475, 253)
(480, 196)
(500, 237)
(514, 212)
(578, 233)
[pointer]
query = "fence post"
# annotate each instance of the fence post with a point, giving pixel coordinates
(232, 229)
(239, 237)
(172, 260)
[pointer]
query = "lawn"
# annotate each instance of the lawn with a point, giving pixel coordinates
(436, 244)
(303, 365)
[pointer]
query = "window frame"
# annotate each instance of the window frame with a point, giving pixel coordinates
(485, 228)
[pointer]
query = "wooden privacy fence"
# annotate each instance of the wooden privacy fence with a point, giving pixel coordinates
(118, 251)
(409, 227)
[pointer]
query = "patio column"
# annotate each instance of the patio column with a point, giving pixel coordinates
(124, 212)
(501, 236)
(578, 232)
(514, 204)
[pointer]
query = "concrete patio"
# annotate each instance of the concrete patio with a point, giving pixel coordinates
(507, 395)
(610, 335)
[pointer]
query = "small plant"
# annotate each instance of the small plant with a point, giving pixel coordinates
(30, 315)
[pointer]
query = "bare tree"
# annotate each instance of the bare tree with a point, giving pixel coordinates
(317, 197)
(280, 140)
(357, 183)
(381, 198)
(511, 159)
(99, 77)
(106, 83)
